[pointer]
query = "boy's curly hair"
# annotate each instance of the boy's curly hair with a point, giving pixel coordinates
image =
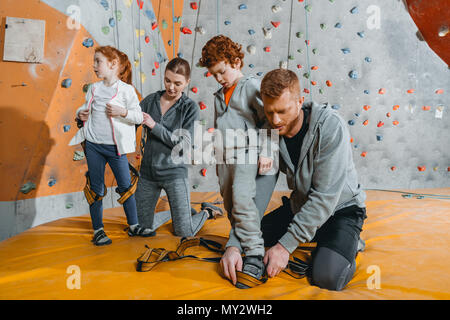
(221, 48)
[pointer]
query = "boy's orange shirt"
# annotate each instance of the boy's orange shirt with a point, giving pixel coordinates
(228, 93)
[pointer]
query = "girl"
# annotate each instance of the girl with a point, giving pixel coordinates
(109, 115)
(164, 112)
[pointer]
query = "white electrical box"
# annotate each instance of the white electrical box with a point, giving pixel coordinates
(24, 40)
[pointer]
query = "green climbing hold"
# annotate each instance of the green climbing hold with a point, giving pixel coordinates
(321, 91)
(69, 205)
(306, 75)
(86, 87)
(195, 186)
(78, 155)
(291, 57)
(308, 7)
(323, 26)
(203, 122)
(105, 30)
(314, 51)
(164, 24)
(299, 34)
(118, 14)
(300, 50)
(27, 187)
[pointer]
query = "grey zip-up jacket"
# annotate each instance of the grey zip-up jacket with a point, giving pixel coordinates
(157, 164)
(245, 111)
(325, 179)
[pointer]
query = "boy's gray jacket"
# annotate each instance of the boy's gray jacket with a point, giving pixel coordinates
(157, 163)
(245, 111)
(325, 179)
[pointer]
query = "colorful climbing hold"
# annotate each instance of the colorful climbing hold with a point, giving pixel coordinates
(421, 168)
(379, 137)
(202, 105)
(393, 168)
(364, 154)
(66, 127)
(336, 106)
(203, 172)
(345, 50)
(380, 124)
(251, 49)
(305, 90)
(366, 91)
(275, 23)
(314, 67)
(112, 22)
(51, 182)
(194, 6)
(227, 22)
(354, 10)
(388, 114)
(338, 25)
(361, 34)
(382, 91)
(186, 30)
(267, 49)
(27, 187)
(353, 74)
(299, 34)
(351, 122)
(439, 91)
(105, 4)
(194, 89)
(242, 6)
(147, 39)
(368, 59)
(105, 30)
(276, 8)
(66, 83)
(323, 26)
(313, 83)
(410, 91)
(251, 32)
(426, 108)
(396, 107)
(366, 107)
(366, 122)
(308, 8)
(88, 43)
(154, 25)
(395, 122)
(328, 83)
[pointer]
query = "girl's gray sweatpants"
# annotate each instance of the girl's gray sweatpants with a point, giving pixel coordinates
(184, 223)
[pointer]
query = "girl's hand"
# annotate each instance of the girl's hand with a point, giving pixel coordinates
(115, 111)
(148, 120)
(83, 115)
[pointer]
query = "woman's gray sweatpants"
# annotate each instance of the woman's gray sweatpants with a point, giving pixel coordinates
(184, 223)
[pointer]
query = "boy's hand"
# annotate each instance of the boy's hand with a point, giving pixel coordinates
(230, 262)
(148, 120)
(83, 115)
(276, 259)
(115, 111)
(264, 164)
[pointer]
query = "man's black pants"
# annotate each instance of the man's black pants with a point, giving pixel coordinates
(333, 260)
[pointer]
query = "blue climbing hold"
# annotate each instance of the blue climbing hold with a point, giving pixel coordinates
(353, 74)
(243, 6)
(251, 32)
(351, 122)
(227, 22)
(368, 59)
(52, 182)
(169, 42)
(379, 137)
(251, 65)
(66, 127)
(345, 50)
(105, 4)
(88, 42)
(112, 22)
(160, 57)
(361, 34)
(259, 74)
(357, 114)
(150, 14)
(180, 55)
(366, 91)
(338, 25)
(335, 106)
(354, 10)
(66, 83)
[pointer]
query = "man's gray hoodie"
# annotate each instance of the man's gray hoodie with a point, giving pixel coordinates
(325, 179)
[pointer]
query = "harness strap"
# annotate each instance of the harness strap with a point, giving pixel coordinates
(132, 188)
(91, 195)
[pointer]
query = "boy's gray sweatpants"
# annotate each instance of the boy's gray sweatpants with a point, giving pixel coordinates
(184, 223)
(245, 207)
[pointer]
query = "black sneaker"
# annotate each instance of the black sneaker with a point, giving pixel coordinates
(254, 267)
(140, 232)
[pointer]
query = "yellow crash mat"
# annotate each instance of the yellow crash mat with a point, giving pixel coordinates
(406, 257)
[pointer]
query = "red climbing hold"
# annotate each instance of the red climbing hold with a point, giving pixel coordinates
(194, 5)
(147, 39)
(366, 122)
(275, 23)
(448, 169)
(351, 140)
(363, 154)
(153, 72)
(194, 89)
(267, 49)
(202, 105)
(421, 168)
(396, 107)
(210, 130)
(207, 74)
(380, 124)
(156, 64)
(305, 90)
(328, 82)
(382, 91)
(410, 91)
(439, 91)
(307, 42)
(203, 171)
(140, 3)
(299, 66)
(186, 30)
(393, 168)
(366, 107)
(154, 25)
(395, 122)
(426, 108)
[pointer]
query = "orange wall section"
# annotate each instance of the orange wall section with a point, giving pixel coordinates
(34, 146)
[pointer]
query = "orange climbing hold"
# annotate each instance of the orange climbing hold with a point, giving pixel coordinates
(147, 39)
(305, 90)
(439, 91)
(153, 72)
(388, 114)
(366, 122)
(313, 83)
(363, 154)
(366, 107)
(314, 67)
(382, 91)
(203, 171)
(395, 122)
(156, 64)
(421, 168)
(393, 168)
(140, 3)
(208, 74)
(210, 130)
(426, 108)
(328, 82)
(396, 107)
(380, 124)
(410, 91)
(351, 140)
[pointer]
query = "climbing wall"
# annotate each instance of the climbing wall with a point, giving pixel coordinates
(362, 57)
(366, 58)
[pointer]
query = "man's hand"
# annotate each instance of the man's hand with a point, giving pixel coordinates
(276, 260)
(231, 262)
(115, 111)
(264, 164)
(83, 115)
(148, 120)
